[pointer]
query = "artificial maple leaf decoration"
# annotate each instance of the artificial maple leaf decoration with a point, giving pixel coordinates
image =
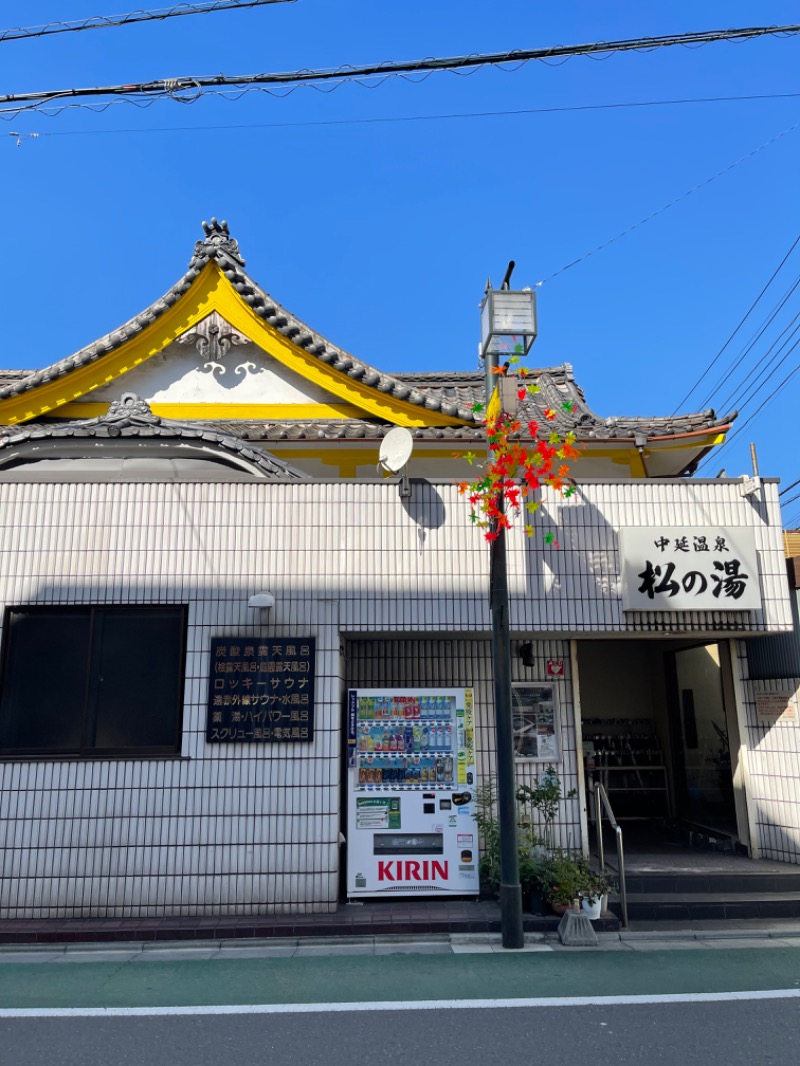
(515, 469)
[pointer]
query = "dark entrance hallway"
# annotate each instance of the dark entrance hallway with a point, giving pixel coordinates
(659, 733)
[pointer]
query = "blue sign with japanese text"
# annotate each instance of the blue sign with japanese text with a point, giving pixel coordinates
(261, 690)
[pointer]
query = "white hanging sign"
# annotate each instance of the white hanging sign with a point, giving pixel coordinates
(689, 568)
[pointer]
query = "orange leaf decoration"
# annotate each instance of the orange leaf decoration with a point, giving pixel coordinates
(515, 469)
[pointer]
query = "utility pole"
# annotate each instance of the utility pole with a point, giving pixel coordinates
(510, 888)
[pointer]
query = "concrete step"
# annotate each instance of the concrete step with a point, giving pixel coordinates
(702, 906)
(714, 882)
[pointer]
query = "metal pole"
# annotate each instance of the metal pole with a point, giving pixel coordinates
(510, 889)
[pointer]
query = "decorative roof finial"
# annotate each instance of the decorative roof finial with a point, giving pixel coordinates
(218, 241)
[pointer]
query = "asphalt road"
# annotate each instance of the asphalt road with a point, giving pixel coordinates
(749, 1033)
(696, 1006)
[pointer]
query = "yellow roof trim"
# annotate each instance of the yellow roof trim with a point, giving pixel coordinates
(211, 291)
(187, 412)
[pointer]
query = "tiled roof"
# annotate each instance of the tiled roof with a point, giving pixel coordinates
(556, 384)
(338, 429)
(453, 393)
(220, 247)
(131, 416)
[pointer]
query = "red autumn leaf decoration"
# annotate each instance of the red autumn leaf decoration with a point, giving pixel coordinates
(515, 469)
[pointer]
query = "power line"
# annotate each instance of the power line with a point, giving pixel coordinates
(665, 207)
(738, 327)
(740, 429)
(197, 85)
(750, 386)
(102, 22)
(745, 382)
(789, 487)
(418, 118)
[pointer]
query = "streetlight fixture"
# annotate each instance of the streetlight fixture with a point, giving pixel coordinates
(508, 320)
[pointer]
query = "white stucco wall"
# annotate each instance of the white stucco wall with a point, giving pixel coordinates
(245, 375)
(223, 830)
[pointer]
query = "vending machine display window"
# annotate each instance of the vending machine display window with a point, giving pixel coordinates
(536, 722)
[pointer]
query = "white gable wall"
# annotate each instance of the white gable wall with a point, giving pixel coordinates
(245, 375)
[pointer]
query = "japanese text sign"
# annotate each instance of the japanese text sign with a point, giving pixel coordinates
(689, 568)
(772, 707)
(261, 690)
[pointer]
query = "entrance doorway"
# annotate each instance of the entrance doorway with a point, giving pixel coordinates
(703, 774)
(659, 733)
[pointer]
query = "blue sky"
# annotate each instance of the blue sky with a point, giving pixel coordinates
(380, 234)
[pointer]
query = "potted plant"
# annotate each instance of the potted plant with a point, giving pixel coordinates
(489, 832)
(562, 877)
(594, 891)
(532, 853)
(544, 798)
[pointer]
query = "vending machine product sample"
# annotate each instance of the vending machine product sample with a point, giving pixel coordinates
(411, 794)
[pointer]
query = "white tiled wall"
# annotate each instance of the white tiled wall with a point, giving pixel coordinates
(250, 828)
(773, 765)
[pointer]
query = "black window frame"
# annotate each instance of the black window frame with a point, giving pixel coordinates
(97, 613)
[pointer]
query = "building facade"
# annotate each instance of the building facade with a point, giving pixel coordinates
(215, 455)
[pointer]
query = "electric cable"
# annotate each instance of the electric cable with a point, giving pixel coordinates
(665, 207)
(789, 487)
(749, 387)
(389, 119)
(384, 70)
(772, 315)
(102, 22)
(740, 429)
(736, 330)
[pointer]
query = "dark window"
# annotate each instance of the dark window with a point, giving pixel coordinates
(92, 680)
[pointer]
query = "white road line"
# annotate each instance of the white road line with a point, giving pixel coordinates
(428, 1004)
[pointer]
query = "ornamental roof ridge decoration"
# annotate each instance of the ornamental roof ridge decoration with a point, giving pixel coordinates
(130, 416)
(220, 247)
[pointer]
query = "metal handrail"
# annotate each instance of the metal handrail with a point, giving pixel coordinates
(600, 794)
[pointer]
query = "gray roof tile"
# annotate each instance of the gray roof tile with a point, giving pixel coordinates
(452, 393)
(131, 416)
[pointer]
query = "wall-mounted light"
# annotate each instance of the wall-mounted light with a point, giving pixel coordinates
(262, 600)
(526, 654)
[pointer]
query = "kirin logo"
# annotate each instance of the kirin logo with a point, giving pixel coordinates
(412, 870)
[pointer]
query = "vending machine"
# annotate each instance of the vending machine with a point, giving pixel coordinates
(411, 792)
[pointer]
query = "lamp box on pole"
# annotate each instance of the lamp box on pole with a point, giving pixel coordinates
(508, 319)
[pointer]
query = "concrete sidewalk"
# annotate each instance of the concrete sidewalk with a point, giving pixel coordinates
(716, 935)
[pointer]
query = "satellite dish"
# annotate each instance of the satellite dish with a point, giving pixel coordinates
(396, 448)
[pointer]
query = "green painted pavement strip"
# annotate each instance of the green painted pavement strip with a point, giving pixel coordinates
(395, 978)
